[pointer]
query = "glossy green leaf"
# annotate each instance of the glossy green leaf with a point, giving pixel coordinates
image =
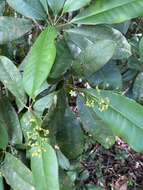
(2, 7)
(56, 5)
(28, 8)
(11, 78)
(10, 121)
(13, 28)
(45, 168)
(94, 125)
(72, 5)
(141, 49)
(16, 174)
(123, 116)
(111, 11)
(3, 137)
(91, 59)
(108, 77)
(138, 88)
(40, 61)
(79, 38)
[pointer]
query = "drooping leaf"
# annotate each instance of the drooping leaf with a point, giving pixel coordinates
(2, 7)
(40, 61)
(56, 5)
(16, 174)
(111, 11)
(79, 38)
(11, 78)
(64, 126)
(94, 125)
(3, 137)
(45, 168)
(62, 63)
(72, 5)
(13, 28)
(121, 114)
(108, 77)
(138, 88)
(28, 8)
(9, 120)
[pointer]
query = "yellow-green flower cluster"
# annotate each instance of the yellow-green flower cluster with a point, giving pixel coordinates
(35, 141)
(90, 102)
(103, 104)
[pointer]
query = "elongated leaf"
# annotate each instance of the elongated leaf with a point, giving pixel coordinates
(62, 160)
(111, 11)
(2, 6)
(16, 174)
(3, 137)
(40, 61)
(79, 38)
(72, 5)
(11, 78)
(45, 168)
(56, 5)
(94, 125)
(28, 8)
(122, 115)
(13, 28)
(62, 63)
(9, 120)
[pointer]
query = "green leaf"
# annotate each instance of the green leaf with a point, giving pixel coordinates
(141, 49)
(3, 137)
(13, 28)
(62, 160)
(72, 5)
(45, 5)
(56, 5)
(45, 168)
(138, 88)
(111, 11)
(79, 38)
(104, 77)
(11, 78)
(2, 7)
(65, 181)
(40, 61)
(16, 174)
(1, 183)
(28, 8)
(121, 114)
(44, 103)
(91, 59)
(10, 121)
(94, 125)
(62, 63)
